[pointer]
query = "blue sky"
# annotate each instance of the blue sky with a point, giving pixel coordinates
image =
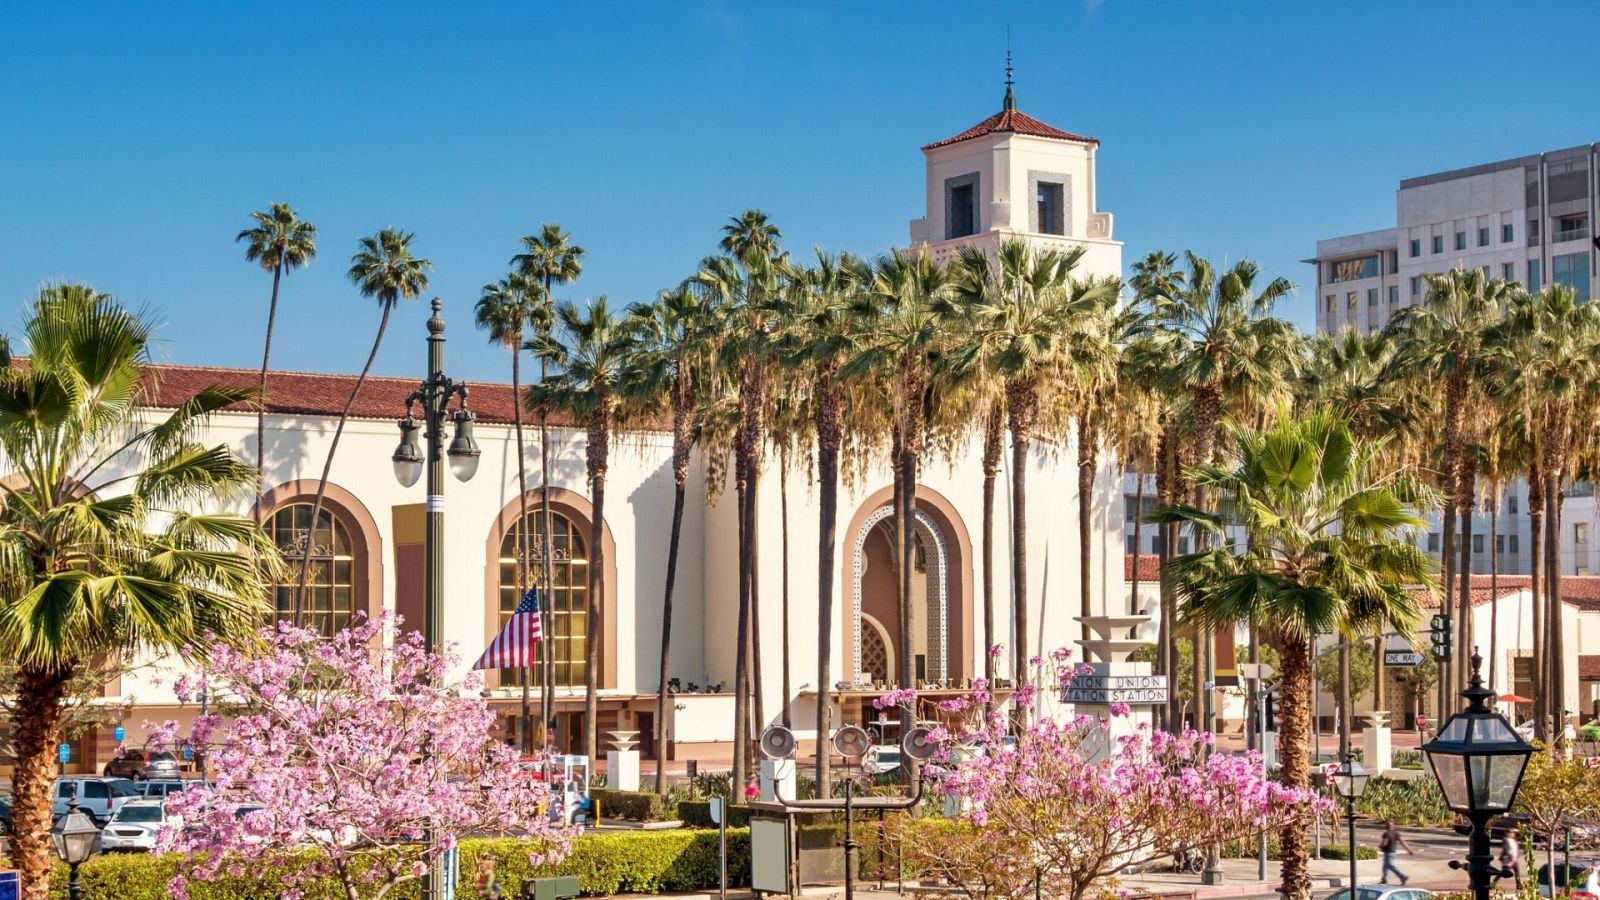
(137, 138)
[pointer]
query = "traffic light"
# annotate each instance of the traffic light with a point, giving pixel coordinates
(1440, 634)
(1272, 713)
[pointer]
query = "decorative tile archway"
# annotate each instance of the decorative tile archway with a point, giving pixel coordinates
(938, 557)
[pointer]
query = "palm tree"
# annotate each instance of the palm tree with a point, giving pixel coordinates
(550, 257)
(1027, 316)
(505, 310)
(280, 242)
(97, 560)
(818, 337)
(747, 292)
(1325, 555)
(384, 269)
(1558, 351)
(1226, 353)
(593, 347)
(672, 357)
(901, 340)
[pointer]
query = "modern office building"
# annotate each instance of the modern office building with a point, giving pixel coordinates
(1528, 220)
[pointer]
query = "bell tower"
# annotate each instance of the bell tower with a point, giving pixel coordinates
(1012, 175)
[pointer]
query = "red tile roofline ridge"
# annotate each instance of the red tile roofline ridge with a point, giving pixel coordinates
(1013, 121)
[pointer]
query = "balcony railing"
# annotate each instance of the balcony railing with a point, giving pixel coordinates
(1533, 240)
(1573, 234)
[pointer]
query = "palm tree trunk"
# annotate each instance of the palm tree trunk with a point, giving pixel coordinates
(1465, 486)
(261, 391)
(1541, 706)
(1294, 753)
(1138, 535)
(1087, 441)
(599, 452)
(524, 577)
(1554, 452)
(1494, 583)
(1455, 390)
(1019, 559)
(547, 702)
(908, 561)
(37, 732)
(1207, 415)
(327, 465)
(1166, 539)
(829, 432)
(758, 703)
(783, 511)
(680, 478)
(741, 696)
(1346, 652)
(992, 448)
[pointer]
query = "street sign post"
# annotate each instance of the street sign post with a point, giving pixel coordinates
(1401, 658)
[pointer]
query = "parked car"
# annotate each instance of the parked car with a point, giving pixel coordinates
(159, 788)
(99, 797)
(1381, 892)
(142, 765)
(880, 759)
(134, 826)
(1578, 875)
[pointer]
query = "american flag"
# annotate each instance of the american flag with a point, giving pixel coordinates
(514, 645)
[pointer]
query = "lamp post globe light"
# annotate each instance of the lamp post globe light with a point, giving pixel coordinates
(1478, 759)
(1350, 782)
(76, 839)
(428, 409)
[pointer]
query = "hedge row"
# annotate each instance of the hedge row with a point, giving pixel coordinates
(604, 863)
(697, 814)
(635, 806)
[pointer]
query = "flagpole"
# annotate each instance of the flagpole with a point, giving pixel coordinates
(527, 719)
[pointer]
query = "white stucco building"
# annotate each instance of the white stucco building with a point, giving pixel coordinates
(1009, 175)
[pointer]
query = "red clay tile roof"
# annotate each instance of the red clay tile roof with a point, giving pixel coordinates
(1149, 567)
(1014, 122)
(1580, 591)
(320, 394)
(1589, 667)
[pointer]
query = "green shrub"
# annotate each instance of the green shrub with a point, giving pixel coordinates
(711, 784)
(697, 814)
(604, 863)
(1408, 759)
(1342, 851)
(636, 806)
(1417, 801)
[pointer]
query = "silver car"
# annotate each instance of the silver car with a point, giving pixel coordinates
(99, 797)
(1381, 892)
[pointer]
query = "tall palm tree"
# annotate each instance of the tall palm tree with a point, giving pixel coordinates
(384, 269)
(818, 336)
(1444, 346)
(550, 257)
(96, 560)
(1325, 555)
(901, 342)
(505, 309)
(1558, 374)
(747, 291)
(1028, 318)
(280, 242)
(1227, 354)
(1101, 329)
(593, 347)
(673, 353)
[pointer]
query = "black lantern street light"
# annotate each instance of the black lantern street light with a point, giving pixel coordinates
(433, 397)
(1478, 759)
(76, 839)
(1350, 782)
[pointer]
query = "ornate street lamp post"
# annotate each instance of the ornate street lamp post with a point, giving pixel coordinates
(432, 399)
(76, 839)
(1478, 759)
(1350, 782)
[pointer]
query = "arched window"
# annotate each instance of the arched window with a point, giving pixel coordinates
(330, 589)
(567, 600)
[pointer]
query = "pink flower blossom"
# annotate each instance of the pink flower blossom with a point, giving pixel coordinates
(1121, 709)
(751, 791)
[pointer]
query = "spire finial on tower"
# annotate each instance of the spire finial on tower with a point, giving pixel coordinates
(1011, 96)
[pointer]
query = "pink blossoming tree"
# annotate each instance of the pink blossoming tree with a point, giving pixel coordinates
(1049, 808)
(356, 746)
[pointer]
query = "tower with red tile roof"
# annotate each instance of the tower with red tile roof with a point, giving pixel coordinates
(1012, 175)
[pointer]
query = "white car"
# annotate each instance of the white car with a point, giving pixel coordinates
(1525, 731)
(880, 759)
(134, 826)
(1381, 892)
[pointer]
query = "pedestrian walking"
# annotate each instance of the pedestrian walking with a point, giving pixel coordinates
(1511, 855)
(1387, 845)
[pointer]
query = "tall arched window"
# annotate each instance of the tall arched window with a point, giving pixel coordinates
(567, 600)
(330, 589)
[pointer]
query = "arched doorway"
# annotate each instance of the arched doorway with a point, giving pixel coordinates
(875, 600)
